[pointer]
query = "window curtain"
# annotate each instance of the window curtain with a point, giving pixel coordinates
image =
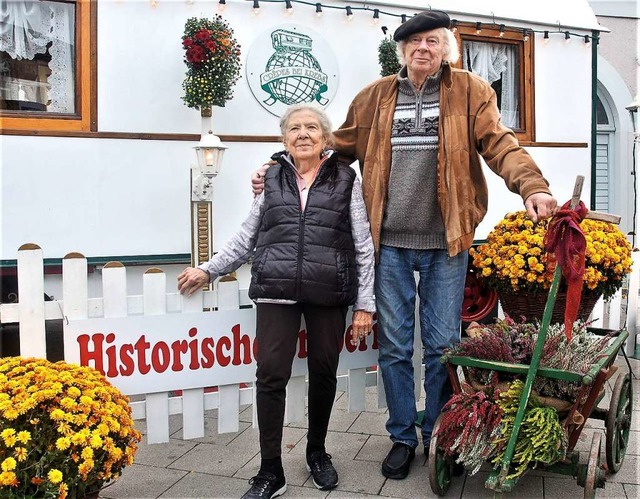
(26, 27)
(494, 61)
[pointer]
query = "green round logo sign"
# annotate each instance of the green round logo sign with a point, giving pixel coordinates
(289, 65)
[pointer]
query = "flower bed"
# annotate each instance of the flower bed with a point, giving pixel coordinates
(65, 431)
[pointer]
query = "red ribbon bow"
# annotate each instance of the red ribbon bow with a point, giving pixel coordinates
(565, 239)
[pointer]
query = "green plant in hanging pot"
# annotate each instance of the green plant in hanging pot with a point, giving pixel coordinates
(388, 57)
(212, 56)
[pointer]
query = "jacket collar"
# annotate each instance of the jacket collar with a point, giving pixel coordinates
(445, 74)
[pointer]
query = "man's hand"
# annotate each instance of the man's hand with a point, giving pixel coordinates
(361, 325)
(540, 205)
(257, 179)
(191, 280)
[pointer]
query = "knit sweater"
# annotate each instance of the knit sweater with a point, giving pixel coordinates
(412, 217)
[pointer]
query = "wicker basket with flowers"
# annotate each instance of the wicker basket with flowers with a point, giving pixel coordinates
(514, 262)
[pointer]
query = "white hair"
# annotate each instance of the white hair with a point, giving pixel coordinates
(451, 50)
(323, 119)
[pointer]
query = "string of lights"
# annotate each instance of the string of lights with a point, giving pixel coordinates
(376, 14)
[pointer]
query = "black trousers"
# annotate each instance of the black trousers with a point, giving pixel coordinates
(277, 337)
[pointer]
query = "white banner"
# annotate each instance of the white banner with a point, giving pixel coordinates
(159, 353)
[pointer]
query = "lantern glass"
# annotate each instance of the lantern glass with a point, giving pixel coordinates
(209, 159)
(209, 152)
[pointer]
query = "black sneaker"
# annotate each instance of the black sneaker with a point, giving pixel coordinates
(324, 474)
(265, 486)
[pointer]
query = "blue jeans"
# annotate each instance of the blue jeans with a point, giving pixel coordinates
(441, 290)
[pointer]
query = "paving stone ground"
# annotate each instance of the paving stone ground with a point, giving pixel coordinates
(219, 466)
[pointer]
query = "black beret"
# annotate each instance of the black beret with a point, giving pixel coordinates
(424, 21)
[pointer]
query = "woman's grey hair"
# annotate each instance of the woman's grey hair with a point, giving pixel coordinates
(323, 119)
(451, 49)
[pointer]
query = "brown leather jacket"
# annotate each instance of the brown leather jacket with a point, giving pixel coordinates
(470, 127)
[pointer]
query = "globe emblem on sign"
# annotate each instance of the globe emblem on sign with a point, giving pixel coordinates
(292, 75)
(294, 89)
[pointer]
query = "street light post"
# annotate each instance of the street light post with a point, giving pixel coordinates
(209, 152)
(634, 282)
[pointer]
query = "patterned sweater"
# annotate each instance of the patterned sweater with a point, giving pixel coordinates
(412, 217)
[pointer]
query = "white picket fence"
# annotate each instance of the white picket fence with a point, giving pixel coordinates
(32, 311)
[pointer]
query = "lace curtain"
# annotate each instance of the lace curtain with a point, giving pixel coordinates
(495, 61)
(26, 27)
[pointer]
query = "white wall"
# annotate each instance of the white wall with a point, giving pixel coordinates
(109, 197)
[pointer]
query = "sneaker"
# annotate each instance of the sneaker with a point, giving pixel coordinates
(265, 486)
(324, 474)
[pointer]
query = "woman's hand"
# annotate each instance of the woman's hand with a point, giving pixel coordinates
(361, 325)
(191, 279)
(257, 179)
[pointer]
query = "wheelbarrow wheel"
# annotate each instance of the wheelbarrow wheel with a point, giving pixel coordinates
(440, 467)
(618, 422)
(595, 475)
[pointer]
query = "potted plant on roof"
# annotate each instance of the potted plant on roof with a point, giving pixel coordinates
(514, 262)
(212, 56)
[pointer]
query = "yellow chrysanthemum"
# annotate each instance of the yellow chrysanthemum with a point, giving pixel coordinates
(9, 464)
(54, 476)
(23, 436)
(8, 479)
(20, 453)
(514, 258)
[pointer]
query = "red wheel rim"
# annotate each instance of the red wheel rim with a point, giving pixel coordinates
(479, 301)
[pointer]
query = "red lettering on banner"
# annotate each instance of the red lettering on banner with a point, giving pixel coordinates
(160, 366)
(141, 347)
(207, 351)
(223, 342)
(94, 355)
(178, 348)
(104, 351)
(302, 344)
(240, 341)
(126, 356)
(193, 348)
(374, 330)
(111, 356)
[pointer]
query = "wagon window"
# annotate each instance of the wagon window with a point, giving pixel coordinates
(499, 64)
(44, 48)
(504, 59)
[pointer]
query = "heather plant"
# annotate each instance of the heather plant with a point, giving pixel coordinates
(510, 341)
(541, 440)
(469, 424)
(578, 356)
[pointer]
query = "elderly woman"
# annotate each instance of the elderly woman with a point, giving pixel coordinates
(312, 251)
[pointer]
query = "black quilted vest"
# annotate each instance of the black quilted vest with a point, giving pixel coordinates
(309, 256)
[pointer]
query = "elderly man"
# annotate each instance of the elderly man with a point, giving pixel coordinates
(418, 137)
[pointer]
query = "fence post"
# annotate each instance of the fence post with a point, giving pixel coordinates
(33, 338)
(154, 291)
(192, 399)
(229, 395)
(74, 297)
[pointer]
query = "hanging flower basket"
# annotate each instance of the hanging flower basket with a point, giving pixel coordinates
(212, 56)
